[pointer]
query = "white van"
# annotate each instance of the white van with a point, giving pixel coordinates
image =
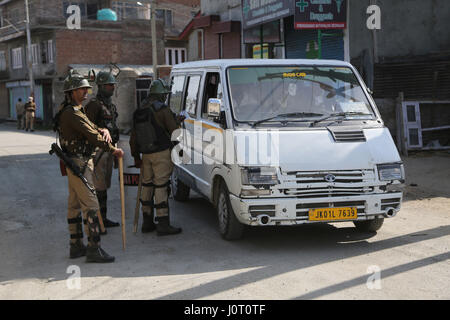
(283, 142)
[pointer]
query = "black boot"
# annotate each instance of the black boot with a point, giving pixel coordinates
(77, 249)
(147, 225)
(96, 254)
(108, 223)
(163, 227)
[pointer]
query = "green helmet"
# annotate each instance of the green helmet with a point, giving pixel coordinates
(159, 86)
(104, 77)
(75, 81)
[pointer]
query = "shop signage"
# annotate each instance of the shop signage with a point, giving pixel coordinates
(257, 12)
(320, 14)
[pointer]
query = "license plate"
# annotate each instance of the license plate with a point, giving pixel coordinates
(332, 214)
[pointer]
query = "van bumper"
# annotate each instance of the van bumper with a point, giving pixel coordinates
(293, 211)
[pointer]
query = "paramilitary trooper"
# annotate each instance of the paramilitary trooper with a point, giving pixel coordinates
(78, 138)
(101, 111)
(153, 125)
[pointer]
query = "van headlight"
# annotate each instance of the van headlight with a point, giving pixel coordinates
(391, 171)
(259, 176)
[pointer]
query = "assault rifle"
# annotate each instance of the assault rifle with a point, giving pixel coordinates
(71, 165)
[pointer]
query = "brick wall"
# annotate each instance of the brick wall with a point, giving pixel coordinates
(102, 47)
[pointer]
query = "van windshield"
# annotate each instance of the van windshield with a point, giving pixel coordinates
(259, 93)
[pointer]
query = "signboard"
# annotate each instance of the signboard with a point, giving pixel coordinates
(320, 14)
(257, 12)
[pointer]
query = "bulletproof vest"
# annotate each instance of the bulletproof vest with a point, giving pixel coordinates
(150, 136)
(108, 119)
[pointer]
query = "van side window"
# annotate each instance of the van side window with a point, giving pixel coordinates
(176, 94)
(213, 89)
(193, 86)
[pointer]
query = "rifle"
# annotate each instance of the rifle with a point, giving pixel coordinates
(71, 165)
(76, 171)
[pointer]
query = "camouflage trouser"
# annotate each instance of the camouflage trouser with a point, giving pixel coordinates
(156, 171)
(82, 199)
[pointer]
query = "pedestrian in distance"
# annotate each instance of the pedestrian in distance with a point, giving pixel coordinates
(20, 110)
(30, 109)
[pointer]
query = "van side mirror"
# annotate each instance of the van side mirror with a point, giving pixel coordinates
(215, 112)
(214, 107)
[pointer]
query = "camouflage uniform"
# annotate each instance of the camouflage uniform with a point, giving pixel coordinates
(101, 111)
(156, 166)
(78, 138)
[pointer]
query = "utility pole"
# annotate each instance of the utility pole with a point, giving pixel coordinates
(153, 27)
(29, 58)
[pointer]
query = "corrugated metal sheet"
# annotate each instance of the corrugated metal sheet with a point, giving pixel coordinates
(418, 79)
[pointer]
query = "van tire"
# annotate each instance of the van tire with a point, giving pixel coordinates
(229, 226)
(180, 191)
(369, 225)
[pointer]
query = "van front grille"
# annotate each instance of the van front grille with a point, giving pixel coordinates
(329, 183)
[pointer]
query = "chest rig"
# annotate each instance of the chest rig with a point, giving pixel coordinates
(108, 119)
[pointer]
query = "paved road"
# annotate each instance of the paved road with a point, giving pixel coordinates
(331, 261)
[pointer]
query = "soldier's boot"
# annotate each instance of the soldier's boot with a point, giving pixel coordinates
(94, 252)
(147, 225)
(102, 197)
(97, 254)
(163, 228)
(77, 249)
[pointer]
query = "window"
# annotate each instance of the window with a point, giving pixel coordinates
(175, 56)
(193, 85)
(16, 58)
(129, 10)
(142, 90)
(35, 54)
(164, 15)
(2, 61)
(50, 51)
(213, 89)
(176, 94)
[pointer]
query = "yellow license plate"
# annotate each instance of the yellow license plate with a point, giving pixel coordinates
(332, 214)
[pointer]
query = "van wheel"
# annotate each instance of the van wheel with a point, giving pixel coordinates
(369, 225)
(229, 226)
(180, 191)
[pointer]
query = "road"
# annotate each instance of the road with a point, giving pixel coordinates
(407, 259)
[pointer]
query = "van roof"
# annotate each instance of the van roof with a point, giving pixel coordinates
(224, 63)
